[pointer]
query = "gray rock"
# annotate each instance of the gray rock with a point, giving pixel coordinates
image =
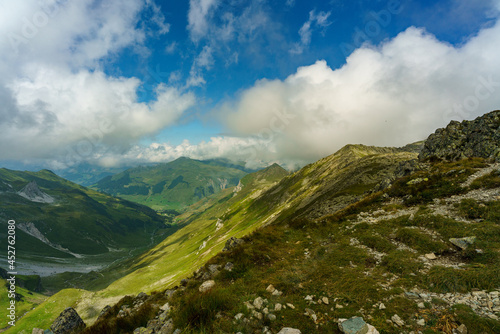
(142, 330)
(397, 320)
(462, 329)
(289, 330)
(167, 328)
(68, 322)
(355, 325)
(232, 243)
(207, 285)
(478, 138)
(229, 266)
(37, 331)
(463, 243)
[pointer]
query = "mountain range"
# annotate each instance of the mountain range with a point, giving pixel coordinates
(174, 185)
(368, 239)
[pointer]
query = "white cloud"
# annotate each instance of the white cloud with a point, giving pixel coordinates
(319, 20)
(62, 110)
(390, 95)
(57, 101)
(198, 17)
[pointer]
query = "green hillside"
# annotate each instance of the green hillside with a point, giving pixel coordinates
(174, 185)
(75, 227)
(239, 211)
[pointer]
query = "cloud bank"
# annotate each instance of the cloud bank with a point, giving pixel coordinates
(57, 103)
(388, 95)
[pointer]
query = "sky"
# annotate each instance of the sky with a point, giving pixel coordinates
(127, 82)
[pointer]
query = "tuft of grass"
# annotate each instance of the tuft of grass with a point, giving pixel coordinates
(401, 262)
(420, 241)
(199, 310)
(475, 324)
(444, 280)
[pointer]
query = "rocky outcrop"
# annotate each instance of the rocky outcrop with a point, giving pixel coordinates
(232, 243)
(478, 138)
(68, 322)
(33, 193)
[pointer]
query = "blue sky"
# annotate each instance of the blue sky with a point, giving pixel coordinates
(289, 81)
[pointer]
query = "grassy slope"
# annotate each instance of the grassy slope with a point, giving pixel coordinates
(30, 300)
(81, 220)
(174, 185)
(180, 254)
(303, 257)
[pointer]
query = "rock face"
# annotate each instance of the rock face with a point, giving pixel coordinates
(68, 322)
(478, 138)
(34, 194)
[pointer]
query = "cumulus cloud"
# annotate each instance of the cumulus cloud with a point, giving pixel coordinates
(388, 95)
(57, 102)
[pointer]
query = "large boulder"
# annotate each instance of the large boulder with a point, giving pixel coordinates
(478, 138)
(68, 322)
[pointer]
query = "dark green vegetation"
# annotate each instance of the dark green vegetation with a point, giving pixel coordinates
(80, 220)
(302, 256)
(174, 185)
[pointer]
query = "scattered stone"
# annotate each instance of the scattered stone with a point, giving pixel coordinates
(421, 322)
(430, 256)
(265, 310)
(397, 320)
(249, 306)
(309, 298)
(167, 328)
(232, 243)
(277, 307)
(257, 315)
(37, 331)
(239, 316)
(206, 286)
(277, 293)
(339, 306)
(258, 302)
(463, 243)
(166, 307)
(169, 293)
(462, 329)
(381, 306)
(271, 317)
(270, 288)
(310, 313)
(355, 325)
(325, 300)
(288, 330)
(229, 266)
(290, 306)
(68, 322)
(421, 305)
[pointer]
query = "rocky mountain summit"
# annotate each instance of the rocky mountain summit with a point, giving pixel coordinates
(477, 138)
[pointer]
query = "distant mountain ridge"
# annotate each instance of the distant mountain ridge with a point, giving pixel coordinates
(57, 219)
(173, 185)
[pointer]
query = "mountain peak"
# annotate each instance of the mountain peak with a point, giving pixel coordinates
(477, 138)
